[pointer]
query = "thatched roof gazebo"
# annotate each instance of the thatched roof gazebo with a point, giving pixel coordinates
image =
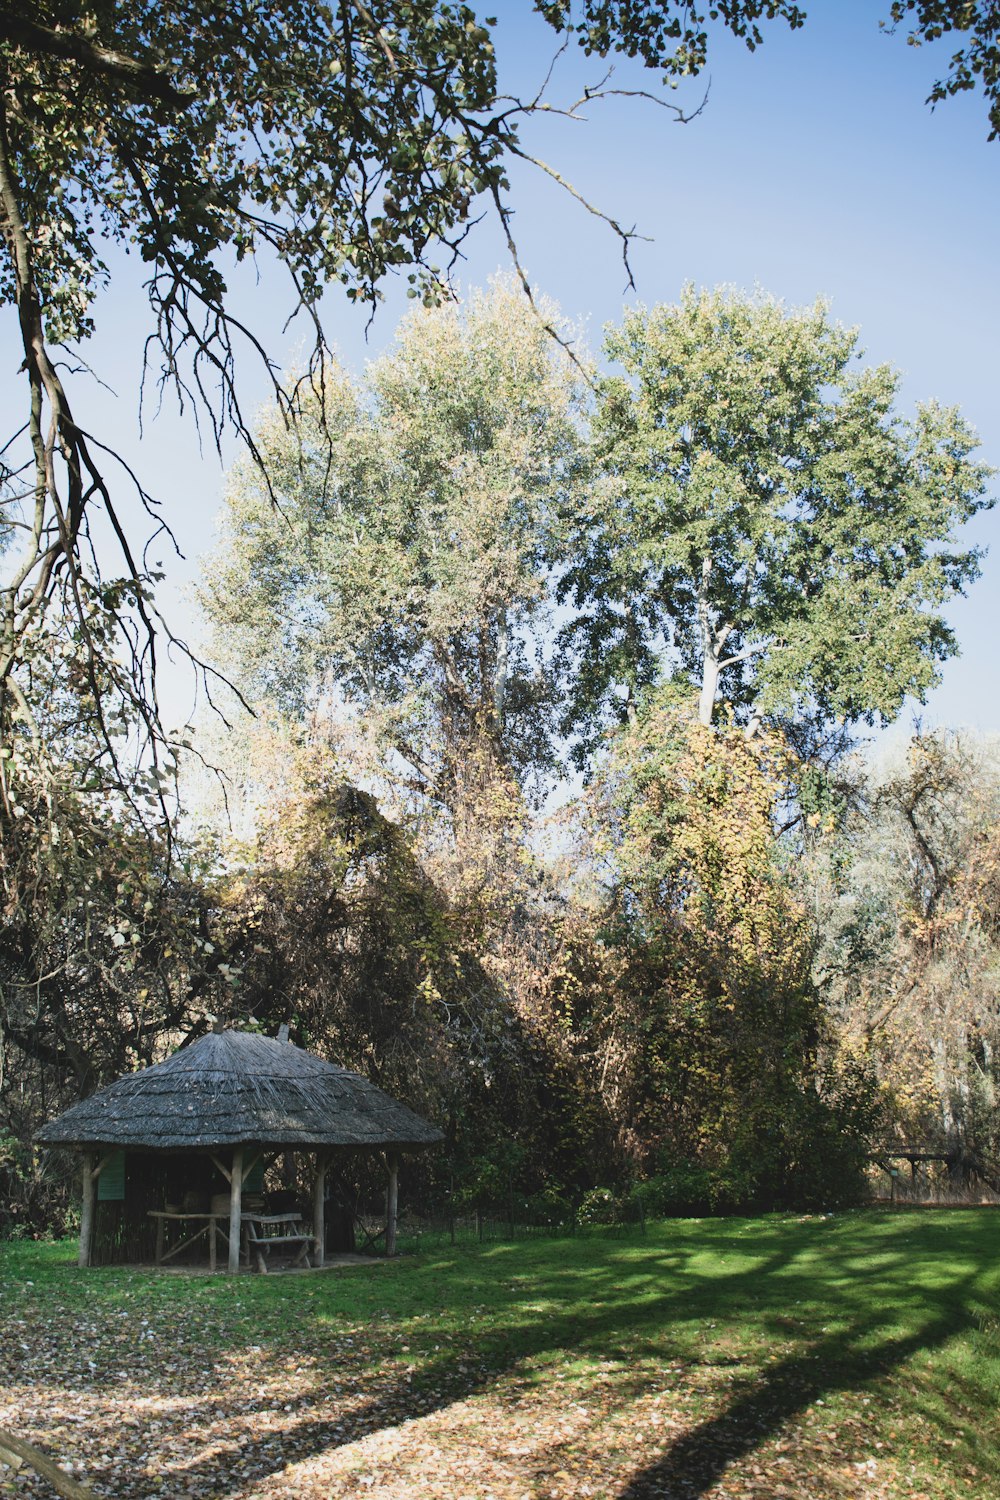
(235, 1096)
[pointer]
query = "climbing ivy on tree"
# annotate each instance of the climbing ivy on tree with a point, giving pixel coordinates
(715, 1047)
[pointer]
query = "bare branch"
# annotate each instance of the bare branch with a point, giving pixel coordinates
(599, 92)
(625, 235)
(747, 653)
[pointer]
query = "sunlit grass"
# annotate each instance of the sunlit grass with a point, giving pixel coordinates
(887, 1323)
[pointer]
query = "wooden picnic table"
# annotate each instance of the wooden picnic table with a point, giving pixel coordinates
(210, 1224)
(260, 1234)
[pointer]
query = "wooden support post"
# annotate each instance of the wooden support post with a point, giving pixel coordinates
(391, 1203)
(87, 1211)
(223, 1169)
(235, 1209)
(319, 1208)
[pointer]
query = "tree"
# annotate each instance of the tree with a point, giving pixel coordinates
(348, 141)
(333, 926)
(978, 60)
(405, 566)
(711, 1031)
(770, 529)
(906, 897)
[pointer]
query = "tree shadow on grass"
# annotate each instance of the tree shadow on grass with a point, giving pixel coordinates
(700, 1458)
(635, 1306)
(593, 1314)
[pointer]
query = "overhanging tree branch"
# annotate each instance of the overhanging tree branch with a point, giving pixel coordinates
(72, 46)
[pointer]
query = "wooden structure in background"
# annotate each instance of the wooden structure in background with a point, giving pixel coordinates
(962, 1166)
(223, 1105)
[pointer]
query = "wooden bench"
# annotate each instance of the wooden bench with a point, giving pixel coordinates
(263, 1233)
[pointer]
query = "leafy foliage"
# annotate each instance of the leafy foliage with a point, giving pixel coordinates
(976, 61)
(105, 939)
(353, 928)
(405, 566)
(907, 895)
(108, 947)
(106, 955)
(345, 139)
(335, 928)
(773, 529)
(665, 36)
(715, 1026)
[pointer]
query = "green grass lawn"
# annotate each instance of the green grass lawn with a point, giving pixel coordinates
(855, 1355)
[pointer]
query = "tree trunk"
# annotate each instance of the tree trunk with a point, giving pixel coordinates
(713, 637)
(709, 654)
(500, 677)
(709, 686)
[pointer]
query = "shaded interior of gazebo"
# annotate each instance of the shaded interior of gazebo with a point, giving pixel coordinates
(139, 1206)
(187, 1156)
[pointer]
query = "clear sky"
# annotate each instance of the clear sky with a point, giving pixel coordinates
(815, 168)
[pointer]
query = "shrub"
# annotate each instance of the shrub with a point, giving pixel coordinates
(599, 1206)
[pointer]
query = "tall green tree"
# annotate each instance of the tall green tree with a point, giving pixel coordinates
(405, 568)
(770, 527)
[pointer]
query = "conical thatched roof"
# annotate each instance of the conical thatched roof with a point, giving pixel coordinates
(234, 1087)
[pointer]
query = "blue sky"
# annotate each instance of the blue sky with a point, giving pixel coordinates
(814, 169)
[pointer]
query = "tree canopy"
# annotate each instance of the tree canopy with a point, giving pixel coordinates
(772, 529)
(754, 518)
(347, 141)
(405, 566)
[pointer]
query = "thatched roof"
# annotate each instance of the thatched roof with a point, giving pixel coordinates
(234, 1087)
